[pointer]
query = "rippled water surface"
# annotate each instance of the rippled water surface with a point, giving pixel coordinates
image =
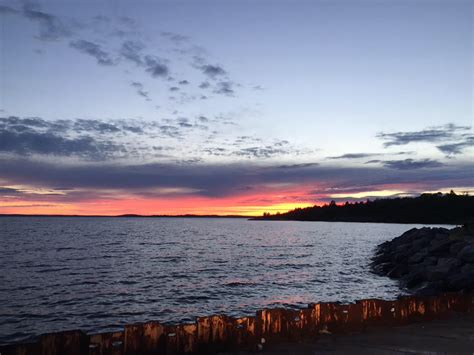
(97, 274)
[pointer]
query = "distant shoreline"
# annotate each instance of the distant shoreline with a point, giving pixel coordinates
(249, 218)
(121, 216)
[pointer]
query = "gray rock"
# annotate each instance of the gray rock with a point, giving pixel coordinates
(414, 278)
(382, 268)
(440, 246)
(437, 273)
(456, 247)
(398, 271)
(429, 260)
(461, 281)
(431, 288)
(467, 268)
(448, 263)
(467, 254)
(418, 257)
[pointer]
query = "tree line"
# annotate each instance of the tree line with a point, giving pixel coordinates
(427, 208)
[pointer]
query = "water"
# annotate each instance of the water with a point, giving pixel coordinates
(97, 274)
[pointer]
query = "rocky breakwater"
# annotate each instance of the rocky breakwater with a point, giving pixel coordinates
(428, 261)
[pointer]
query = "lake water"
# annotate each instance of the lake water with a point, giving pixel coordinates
(97, 274)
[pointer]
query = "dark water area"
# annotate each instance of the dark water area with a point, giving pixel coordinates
(97, 274)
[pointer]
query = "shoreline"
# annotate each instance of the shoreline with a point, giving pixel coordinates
(219, 333)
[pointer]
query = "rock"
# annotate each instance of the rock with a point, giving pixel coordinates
(467, 254)
(383, 268)
(440, 246)
(448, 263)
(414, 278)
(466, 268)
(431, 289)
(429, 260)
(418, 257)
(456, 247)
(437, 273)
(398, 271)
(461, 281)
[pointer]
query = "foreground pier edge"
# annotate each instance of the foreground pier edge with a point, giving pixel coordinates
(223, 333)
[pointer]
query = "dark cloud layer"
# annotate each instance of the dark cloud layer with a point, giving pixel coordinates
(218, 180)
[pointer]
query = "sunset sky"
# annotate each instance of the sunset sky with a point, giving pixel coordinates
(231, 107)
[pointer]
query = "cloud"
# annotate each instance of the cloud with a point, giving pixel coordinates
(353, 156)
(174, 88)
(7, 10)
(212, 71)
(156, 66)
(175, 37)
(28, 142)
(93, 126)
(140, 91)
(131, 50)
(219, 180)
(183, 82)
(8, 191)
(457, 148)
(87, 139)
(410, 164)
(434, 134)
(260, 152)
(51, 27)
(204, 85)
(94, 50)
(225, 88)
(297, 166)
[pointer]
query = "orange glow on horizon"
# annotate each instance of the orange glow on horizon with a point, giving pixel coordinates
(270, 199)
(148, 207)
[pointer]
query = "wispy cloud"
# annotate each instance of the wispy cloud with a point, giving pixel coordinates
(94, 50)
(131, 50)
(450, 139)
(135, 47)
(50, 27)
(140, 90)
(353, 156)
(451, 149)
(411, 164)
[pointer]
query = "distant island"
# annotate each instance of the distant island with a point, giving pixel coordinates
(427, 208)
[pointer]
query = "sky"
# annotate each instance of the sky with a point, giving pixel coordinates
(231, 107)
